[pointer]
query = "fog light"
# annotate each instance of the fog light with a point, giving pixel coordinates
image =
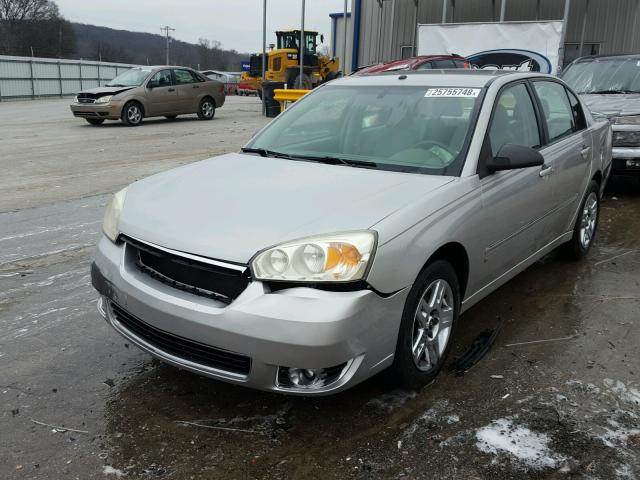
(310, 378)
(307, 377)
(633, 163)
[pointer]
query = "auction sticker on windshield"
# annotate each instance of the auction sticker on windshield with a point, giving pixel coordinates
(453, 92)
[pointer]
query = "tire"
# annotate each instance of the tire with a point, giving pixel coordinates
(429, 321)
(584, 231)
(300, 83)
(206, 109)
(132, 114)
(170, 117)
(332, 76)
(95, 121)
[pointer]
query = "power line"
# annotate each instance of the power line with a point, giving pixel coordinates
(167, 30)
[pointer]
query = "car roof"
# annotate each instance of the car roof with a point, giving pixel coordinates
(588, 58)
(409, 62)
(453, 77)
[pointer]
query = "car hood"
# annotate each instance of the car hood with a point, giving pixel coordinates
(106, 90)
(232, 206)
(613, 105)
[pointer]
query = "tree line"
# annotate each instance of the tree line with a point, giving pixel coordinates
(36, 27)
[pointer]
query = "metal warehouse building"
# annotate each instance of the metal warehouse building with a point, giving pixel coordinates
(382, 30)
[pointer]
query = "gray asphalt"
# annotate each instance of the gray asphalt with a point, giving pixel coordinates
(568, 407)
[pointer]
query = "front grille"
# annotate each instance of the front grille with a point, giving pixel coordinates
(199, 278)
(331, 374)
(183, 348)
(86, 98)
(626, 139)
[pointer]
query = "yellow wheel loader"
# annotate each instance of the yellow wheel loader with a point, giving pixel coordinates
(283, 63)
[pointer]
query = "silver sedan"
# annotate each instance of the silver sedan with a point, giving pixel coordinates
(351, 233)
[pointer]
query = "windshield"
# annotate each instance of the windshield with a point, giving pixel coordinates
(131, 78)
(410, 129)
(605, 75)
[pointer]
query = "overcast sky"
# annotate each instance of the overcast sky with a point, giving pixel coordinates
(237, 24)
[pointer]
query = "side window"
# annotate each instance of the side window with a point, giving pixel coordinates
(460, 63)
(514, 120)
(579, 121)
(161, 79)
(425, 66)
(183, 77)
(443, 64)
(556, 109)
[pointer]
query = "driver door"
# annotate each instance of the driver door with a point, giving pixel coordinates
(161, 94)
(515, 203)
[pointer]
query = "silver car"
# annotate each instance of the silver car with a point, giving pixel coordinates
(351, 233)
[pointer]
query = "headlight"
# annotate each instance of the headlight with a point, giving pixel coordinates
(75, 99)
(628, 120)
(104, 99)
(112, 215)
(341, 257)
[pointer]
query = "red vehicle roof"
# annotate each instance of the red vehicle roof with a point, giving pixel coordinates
(407, 64)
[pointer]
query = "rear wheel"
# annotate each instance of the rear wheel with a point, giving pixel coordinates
(584, 230)
(300, 82)
(95, 121)
(428, 322)
(132, 114)
(206, 109)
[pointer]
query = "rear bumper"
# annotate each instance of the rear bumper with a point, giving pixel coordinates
(626, 161)
(110, 111)
(297, 327)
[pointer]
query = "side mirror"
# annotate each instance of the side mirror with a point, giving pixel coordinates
(152, 85)
(512, 157)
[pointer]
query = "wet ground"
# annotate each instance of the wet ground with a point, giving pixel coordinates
(564, 408)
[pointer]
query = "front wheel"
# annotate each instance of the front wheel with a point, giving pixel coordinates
(132, 114)
(95, 121)
(584, 230)
(206, 109)
(428, 322)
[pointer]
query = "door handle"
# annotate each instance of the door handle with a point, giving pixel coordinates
(546, 170)
(171, 90)
(196, 86)
(585, 151)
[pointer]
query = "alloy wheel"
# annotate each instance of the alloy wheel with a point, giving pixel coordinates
(432, 325)
(207, 109)
(134, 115)
(589, 220)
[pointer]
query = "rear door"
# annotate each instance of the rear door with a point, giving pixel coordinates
(188, 88)
(568, 151)
(160, 93)
(516, 203)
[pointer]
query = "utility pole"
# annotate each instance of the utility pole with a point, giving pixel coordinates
(344, 42)
(264, 38)
(301, 59)
(167, 30)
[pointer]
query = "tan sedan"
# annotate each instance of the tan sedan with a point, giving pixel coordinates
(150, 92)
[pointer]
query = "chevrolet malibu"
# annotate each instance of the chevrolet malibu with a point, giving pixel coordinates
(351, 233)
(144, 92)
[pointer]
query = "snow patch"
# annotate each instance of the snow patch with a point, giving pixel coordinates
(109, 470)
(528, 447)
(392, 400)
(624, 393)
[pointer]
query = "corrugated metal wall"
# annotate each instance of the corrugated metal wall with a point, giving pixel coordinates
(26, 77)
(613, 24)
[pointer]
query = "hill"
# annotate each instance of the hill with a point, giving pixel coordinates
(93, 43)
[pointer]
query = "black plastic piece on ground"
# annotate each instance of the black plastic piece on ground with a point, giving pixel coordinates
(476, 351)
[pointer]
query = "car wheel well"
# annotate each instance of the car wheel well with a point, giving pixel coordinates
(457, 256)
(210, 98)
(137, 103)
(597, 177)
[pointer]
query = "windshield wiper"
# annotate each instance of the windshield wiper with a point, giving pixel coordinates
(263, 152)
(605, 92)
(337, 161)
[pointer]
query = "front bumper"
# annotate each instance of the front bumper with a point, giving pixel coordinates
(297, 327)
(109, 111)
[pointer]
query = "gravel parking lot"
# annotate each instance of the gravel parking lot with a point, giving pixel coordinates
(557, 396)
